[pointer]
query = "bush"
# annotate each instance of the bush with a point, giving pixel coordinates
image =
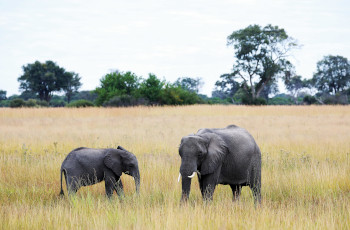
(17, 102)
(216, 100)
(42, 103)
(309, 100)
(58, 103)
(279, 100)
(248, 100)
(175, 95)
(80, 103)
(124, 101)
(339, 98)
(31, 103)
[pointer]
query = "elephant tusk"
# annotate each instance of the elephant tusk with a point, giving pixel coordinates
(194, 173)
(178, 179)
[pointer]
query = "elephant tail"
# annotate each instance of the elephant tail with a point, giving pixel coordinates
(65, 177)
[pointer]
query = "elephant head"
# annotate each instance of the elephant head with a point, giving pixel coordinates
(122, 161)
(202, 154)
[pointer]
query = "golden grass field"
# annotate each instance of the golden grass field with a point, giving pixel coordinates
(305, 168)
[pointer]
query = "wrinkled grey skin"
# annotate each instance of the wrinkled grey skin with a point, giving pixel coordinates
(86, 166)
(227, 156)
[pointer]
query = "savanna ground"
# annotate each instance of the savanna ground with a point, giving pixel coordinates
(305, 168)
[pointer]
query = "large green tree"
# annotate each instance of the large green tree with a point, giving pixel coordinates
(71, 84)
(261, 57)
(117, 84)
(332, 75)
(45, 78)
(151, 89)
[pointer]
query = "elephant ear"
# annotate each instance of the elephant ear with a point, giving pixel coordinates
(216, 153)
(121, 148)
(113, 161)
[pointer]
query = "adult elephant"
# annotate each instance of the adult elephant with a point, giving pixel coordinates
(220, 156)
(86, 166)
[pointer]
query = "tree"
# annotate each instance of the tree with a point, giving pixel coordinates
(43, 79)
(270, 88)
(173, 94)
(226, 88)
(151, 89)
(3, 95)
(261, 57)
(190, 84)
(117, 84)
(71, 84)
(332, 75)
(295, 84)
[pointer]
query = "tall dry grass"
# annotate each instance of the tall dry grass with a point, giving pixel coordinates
(305, 172)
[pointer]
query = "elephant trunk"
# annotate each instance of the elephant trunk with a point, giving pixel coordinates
(186, 188)
(137, 182)
(188, 170)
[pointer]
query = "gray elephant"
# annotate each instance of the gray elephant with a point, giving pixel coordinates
(227, 156)
(86, 166)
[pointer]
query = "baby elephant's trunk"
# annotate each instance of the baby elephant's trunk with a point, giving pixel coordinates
(137, 182)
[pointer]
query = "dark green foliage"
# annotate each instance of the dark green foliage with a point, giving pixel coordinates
(80, 103)
(333, 74)
(248, 100)
(45, 78)
(57, 103)
(31, 103)
(2, 95)
(71, 84)
(175, 95)
(151, 89)
(216, 100)
(125, 101)
(25, 95)
(226, 87)
(260, 58)
(86, 95)
(116, 84)
(309, 100)
(17, 102)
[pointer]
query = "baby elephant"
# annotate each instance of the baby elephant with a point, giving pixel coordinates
(86, 166)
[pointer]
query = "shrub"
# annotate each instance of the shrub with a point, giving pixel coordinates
(248, 100)
(309, 100)
(80, 103)
(31, 103)
(124, 101)
(58, 103)
(42, 103)
(17, 102)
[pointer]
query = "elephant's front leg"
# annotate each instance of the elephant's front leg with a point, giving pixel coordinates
(208, 184)
(119, 187)
(112, 182)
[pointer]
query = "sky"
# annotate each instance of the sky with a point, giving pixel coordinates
(171, 39)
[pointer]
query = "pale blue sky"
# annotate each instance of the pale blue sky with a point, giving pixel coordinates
(168, 38)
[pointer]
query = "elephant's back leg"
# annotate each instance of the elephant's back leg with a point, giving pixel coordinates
(73, 184)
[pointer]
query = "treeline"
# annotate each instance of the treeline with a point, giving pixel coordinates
(261, 60)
